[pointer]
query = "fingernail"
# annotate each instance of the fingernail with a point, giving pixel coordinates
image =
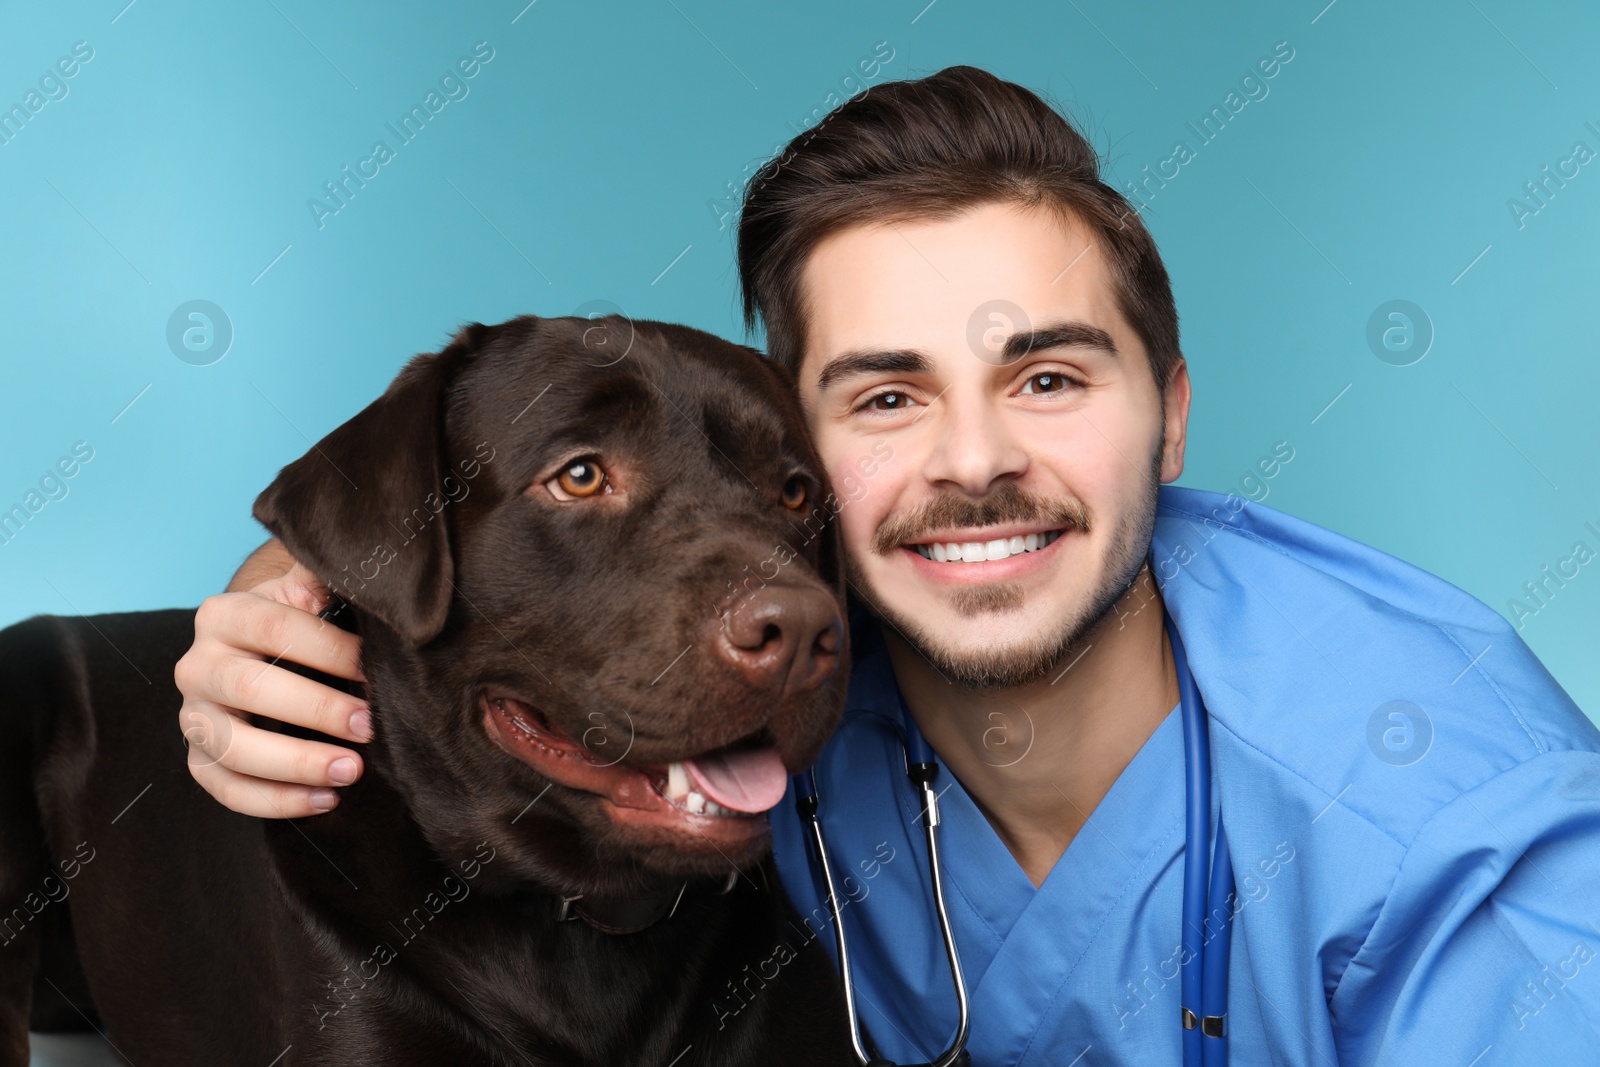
(324, 799)
(342, 771)
(361, 724)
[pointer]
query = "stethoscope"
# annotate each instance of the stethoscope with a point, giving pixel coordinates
(1204, 966)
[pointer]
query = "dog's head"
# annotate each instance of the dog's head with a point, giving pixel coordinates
(599, 592)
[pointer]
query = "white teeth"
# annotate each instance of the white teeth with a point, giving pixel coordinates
(677, 780)
(679, 794)
(677, 791)
(979, 551)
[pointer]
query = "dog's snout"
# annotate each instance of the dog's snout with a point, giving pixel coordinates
(782, 638)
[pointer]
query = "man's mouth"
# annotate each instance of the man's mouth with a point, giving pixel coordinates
(723, 793)
(945, 551)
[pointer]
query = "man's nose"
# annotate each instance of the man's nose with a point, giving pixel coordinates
(973, 446)
(782, 638)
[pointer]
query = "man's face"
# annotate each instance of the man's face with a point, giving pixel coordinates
(1040, 457)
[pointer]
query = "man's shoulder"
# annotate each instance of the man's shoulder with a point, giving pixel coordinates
(1348, 672)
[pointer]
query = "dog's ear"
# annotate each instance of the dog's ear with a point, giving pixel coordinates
(363, 510)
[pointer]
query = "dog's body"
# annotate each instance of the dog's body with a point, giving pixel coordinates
(423, 920)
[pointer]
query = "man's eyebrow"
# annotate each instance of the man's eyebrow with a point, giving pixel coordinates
(871, 361)
(1070, 333)
(1066, 334)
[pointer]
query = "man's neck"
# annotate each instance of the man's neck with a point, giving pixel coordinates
(1038, 758)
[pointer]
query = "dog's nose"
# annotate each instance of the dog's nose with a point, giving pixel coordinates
(783, 638)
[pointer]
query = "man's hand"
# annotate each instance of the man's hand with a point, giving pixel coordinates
(232, 672)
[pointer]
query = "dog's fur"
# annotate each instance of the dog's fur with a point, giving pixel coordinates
(416, 923)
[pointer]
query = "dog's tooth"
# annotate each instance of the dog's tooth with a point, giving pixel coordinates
(695, 803)
(1017, 545)
(677, 780)
(938, 553)
(1031, 542)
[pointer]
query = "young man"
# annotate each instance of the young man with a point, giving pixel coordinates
(987, 352)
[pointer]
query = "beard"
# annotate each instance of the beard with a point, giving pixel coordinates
(1036, 658)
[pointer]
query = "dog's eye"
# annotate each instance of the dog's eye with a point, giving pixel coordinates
(582, 477)
(794, 494)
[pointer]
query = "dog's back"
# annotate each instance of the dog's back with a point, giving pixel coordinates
(106, 840)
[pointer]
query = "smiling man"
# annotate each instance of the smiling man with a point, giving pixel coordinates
(1017, 507)
(986, 348)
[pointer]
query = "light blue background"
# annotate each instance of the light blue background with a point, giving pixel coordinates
(597, 148)
(592, 157)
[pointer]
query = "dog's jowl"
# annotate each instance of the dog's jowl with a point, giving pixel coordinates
(583, 707)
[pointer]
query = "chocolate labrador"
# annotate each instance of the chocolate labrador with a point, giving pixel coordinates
(599, 599)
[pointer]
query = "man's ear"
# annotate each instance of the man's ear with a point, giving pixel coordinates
(364, 509)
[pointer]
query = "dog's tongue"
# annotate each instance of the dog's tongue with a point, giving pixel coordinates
(750, 780)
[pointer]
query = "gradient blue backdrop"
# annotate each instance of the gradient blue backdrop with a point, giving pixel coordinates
(594, 156)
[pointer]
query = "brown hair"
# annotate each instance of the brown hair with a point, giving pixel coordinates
(931, 148)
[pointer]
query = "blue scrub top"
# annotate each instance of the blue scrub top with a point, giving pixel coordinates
(1413, 811)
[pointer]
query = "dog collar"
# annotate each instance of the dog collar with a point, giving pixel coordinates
(629, 915)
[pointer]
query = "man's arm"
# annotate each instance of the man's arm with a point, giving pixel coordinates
(269, 561)
(1487, 949)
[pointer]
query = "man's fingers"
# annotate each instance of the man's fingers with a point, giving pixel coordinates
(263, 688)
(262, 798)
(219, 738)
(233, 671)
(276, 630)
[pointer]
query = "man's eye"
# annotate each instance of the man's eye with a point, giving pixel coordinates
(890, 401)
(1049, 382)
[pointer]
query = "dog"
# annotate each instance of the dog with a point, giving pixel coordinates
(584, 700)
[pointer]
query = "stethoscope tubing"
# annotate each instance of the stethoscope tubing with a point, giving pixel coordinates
(921, 768)
(1204, 980)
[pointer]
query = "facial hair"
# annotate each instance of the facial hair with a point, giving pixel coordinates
(1039, 656)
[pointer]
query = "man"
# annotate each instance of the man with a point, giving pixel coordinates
(987, 352)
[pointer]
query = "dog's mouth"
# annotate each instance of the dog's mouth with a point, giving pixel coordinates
(723, 794)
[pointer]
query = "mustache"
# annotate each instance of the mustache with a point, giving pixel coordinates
(1008, 503)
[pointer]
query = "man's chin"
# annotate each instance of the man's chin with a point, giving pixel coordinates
(999, 647)
(996, 667)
